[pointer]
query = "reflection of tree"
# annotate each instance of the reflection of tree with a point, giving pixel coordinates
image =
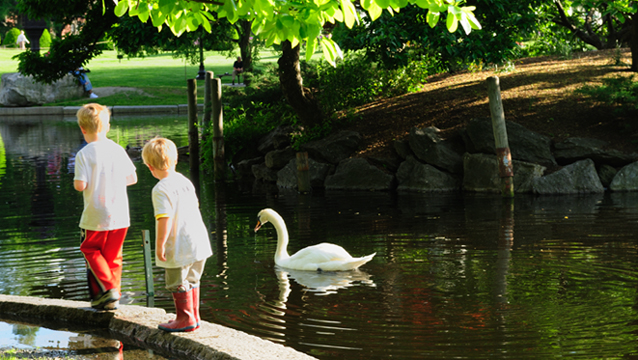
(26, 334)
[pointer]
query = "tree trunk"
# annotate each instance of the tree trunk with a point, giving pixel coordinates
(245, 48)
(301, 99)
(633, 43)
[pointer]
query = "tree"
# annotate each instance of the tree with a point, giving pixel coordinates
(604, 24)
(290, 23)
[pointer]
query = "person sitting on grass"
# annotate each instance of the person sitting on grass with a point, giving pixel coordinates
(80, 73)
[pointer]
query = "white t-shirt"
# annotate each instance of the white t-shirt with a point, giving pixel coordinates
(104, 166)
(188, 241)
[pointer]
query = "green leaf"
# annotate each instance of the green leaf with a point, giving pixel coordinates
(328, 51)
(143, 13)
(432, 18)
(452, 22)
(121, 8)
(349, 13)
(375, 11)
(311, 45)
(382, 3)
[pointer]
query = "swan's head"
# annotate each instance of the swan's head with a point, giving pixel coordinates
(264, 217)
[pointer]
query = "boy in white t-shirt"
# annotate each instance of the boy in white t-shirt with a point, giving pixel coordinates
(182, 244)
(103, 170)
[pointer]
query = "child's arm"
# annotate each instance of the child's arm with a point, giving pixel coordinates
(163, 229)
(79, 185)
(131, 179)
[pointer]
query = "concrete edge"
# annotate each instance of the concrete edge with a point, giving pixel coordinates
(139, 325)
(62, 111)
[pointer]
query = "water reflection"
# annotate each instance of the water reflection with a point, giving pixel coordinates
(455, 275)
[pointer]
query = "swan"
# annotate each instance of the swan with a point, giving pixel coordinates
(320, 257)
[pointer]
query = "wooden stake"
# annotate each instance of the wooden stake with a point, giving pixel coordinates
(303, 173)
(193, 134)
(218, 130)
(503, 153)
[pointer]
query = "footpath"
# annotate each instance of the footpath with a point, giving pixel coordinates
(138, 325)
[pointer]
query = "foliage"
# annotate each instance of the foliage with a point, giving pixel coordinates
(619, 92)
(45, 39)
(11, 37)
(296, 22)
(394, 40)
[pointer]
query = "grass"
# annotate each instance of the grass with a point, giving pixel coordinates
(160, 76)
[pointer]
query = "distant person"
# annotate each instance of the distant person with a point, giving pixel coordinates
(238, 68)
(103, 171)
(22, 39)
(80, 73)
(182, 244)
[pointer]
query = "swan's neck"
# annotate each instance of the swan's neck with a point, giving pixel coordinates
(282, 239)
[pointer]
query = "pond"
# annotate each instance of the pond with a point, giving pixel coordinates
(454, 276)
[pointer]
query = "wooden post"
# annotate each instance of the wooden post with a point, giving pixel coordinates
(218, 130)
(208, 84)
(503, 153)
(148, 268)
(193, 134)
(303, 175)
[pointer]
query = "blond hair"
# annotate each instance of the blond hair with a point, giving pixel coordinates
(93, 118)
(160, 153)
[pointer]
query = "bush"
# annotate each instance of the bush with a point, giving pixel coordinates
(45, 39)
(11, 37)
(619, 92)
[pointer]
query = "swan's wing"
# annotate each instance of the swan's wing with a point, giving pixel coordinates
(321, 253)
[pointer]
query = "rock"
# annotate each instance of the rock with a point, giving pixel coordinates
(431, 149)
(574, 149)
(334, 148)
(481, 174)
(578, 178)
(402, 148)
(358, 174)
(277, 139)
(626, 179)
(264, 173)
(244, 168)
(525, 145)
(20, 90)
(277, 159)
(606, 174)
(287, 177)
(416, 176)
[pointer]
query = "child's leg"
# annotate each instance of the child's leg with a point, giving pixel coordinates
(106, 271)
(183, 299)
(193, 277)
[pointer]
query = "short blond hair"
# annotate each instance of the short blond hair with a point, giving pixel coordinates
(160, 153)
(93, 118)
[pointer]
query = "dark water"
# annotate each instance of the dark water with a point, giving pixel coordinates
(455, 276)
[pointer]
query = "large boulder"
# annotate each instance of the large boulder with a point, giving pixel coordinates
(626, 179)
(430, 148)
(416, 176)
(19, 90)
(287, 177)
(277, 159)
(277, 139)
(573, 149)
(358, 174)
(334, 148)
(481, 174)
(578, 178)
(525, 145)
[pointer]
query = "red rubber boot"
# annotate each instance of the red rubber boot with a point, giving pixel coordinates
(185, 320)
(196, 305)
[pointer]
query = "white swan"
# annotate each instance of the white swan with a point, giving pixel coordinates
(321, 257)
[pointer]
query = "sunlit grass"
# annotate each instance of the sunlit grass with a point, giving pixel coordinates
(162, 77)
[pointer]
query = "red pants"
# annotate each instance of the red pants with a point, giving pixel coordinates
(103, 253)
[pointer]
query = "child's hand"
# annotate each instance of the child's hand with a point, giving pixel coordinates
(161, 253)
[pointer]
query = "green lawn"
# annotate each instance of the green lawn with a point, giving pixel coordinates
(161, 76)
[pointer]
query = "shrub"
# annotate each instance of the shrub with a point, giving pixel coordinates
(619, 92)
(45, 39)
(11, 37)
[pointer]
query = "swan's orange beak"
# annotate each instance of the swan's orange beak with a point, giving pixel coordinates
(258, 226)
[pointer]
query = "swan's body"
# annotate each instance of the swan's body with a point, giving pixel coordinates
(320, 257)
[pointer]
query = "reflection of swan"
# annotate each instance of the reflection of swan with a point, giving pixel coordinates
(321, 257)
(323, 283)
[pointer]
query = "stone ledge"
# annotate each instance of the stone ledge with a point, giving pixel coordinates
(139, 325)
(66, 111)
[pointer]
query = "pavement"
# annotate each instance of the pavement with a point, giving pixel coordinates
(138, 324)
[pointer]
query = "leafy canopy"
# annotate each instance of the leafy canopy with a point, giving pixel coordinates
(297, 21)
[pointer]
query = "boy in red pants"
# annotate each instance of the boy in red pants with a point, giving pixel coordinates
(103, 170)
(182, 244)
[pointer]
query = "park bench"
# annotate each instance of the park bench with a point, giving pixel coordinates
(229, 74)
